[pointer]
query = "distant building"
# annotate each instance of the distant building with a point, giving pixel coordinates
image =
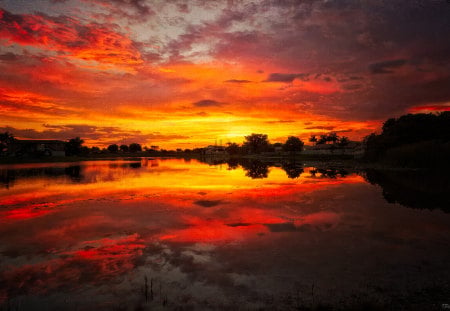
(278, 149)
(353, 148)
(214, 150)
(38, 147)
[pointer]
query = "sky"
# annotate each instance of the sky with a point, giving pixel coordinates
(184, 74)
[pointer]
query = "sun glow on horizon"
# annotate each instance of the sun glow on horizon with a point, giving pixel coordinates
(185, 77)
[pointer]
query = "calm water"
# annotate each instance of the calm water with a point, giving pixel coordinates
(167, 234)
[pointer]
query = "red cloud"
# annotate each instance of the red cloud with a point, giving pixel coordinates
(430, 108)
(71, 38)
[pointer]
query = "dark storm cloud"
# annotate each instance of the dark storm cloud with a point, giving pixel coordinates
(207, 103)
(287, 77)
(387, 66)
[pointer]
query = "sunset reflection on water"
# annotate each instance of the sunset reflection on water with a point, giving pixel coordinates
(203, 233)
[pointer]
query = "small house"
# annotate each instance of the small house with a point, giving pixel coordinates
(37, 147)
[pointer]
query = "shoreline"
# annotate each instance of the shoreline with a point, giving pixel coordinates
(343, 161)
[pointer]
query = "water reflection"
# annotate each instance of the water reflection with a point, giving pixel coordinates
(9, 176)
(421, 189)
(255, 169)
(185, 234)
(258, 169)
(292, 169)
(66, 172)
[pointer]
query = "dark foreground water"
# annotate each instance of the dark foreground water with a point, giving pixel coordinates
(185, 235)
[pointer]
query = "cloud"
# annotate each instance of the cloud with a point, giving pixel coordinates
(387, 66)
(287, 77)
(281, 227)
(327, 128)
(430, 108)
(70, 38)
(279, 121)
(132, 11)
(103, 134)
(139, 5)
(237, 81)
(17, 102)
(239, 224)
(208, 203)
(352, 87)
(207, 103)
(8, 57)
(108, 54)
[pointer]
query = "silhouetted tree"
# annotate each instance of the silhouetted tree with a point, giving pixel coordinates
(6, 139)
(124, 148)
(313, 139)
(232, 148)
(85, 150)
(332, 137)
(113, 148)
(420, 140)
(73, 146)
(256, 143)
(343, 141)
(323, 139)
(95, 149)
(277, 145)
(293, 144)
(135, 147)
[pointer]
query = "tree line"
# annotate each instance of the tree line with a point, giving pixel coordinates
(412, 140)
(332, 138)
(259, 143)
(75, 147)
(252, 144)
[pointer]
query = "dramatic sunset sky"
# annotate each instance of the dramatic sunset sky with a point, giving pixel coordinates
(187, 73)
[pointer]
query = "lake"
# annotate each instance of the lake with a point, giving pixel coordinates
(186, 235)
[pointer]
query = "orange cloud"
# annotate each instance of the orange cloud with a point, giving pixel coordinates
(71, 39)
(430, 108)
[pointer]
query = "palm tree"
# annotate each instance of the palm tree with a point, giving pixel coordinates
(332, 137)
(323, 139)
(313, 139)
